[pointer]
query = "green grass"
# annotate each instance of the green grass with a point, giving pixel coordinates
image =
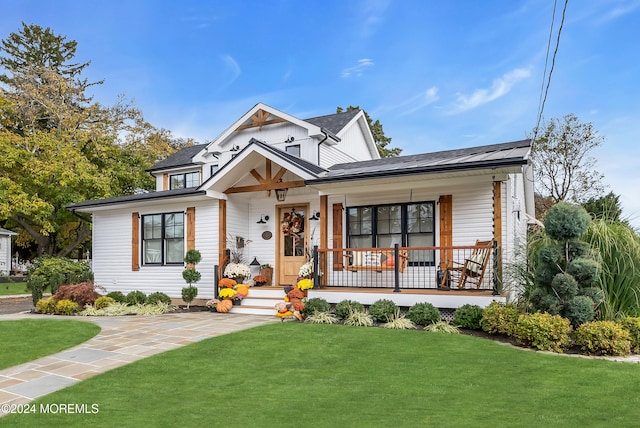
(11, 288)
(314, 375)
(25, 340)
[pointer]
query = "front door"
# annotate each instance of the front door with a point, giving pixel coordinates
(292, 242)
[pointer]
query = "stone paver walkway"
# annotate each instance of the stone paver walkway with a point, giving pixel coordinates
(122, 340)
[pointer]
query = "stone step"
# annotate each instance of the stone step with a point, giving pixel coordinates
(253, 310)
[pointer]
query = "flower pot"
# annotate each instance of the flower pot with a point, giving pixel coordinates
(260, 284)
(236, 302)
(238, 279)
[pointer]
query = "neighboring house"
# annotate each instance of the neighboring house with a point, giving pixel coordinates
(5, 251)
(285, 185)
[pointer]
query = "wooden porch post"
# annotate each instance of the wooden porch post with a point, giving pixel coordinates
(446, 230)
(135, 239)
(336, 220)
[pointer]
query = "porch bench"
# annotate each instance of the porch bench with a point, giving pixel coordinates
(374, 260)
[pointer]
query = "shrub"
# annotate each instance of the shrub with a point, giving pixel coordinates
(603, 338)
(632, 325)
(343, 308)
(399, 322)
(359, 319)
(543, 331)
(53, 272)
(83, 293)
(499, 318)
(188, 294)
(383, 310)
(117, 296)
(468, 316)
(67, 307)
(423, 314)
(158, 297)
(136, 297)
(46, 306)
(321, 318)
(315, 304)
(103, 301)
(442, 327)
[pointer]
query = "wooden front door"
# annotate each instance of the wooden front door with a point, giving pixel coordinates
(293, 239)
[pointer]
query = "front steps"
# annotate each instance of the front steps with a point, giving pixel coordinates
(260, 301)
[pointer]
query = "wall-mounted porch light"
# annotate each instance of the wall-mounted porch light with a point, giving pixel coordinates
(281, 194)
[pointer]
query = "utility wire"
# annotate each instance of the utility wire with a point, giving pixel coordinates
(553, 62)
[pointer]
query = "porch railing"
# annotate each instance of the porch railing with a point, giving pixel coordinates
(404, 268)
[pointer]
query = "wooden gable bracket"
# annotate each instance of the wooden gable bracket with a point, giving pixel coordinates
(267, 184)
(259, 120)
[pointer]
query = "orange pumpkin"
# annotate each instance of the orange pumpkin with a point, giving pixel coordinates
(242, 289)
(224, 306)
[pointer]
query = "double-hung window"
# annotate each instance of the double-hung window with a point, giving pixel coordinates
(184, 181)
(383, 226)
(163, 239)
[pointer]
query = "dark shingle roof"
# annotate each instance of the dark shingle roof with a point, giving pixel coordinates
(165, 194)
(333, 122)
(182, 157)
(299, 162)
(495, 155)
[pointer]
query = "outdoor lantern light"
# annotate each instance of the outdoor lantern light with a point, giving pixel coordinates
(255, 267)
(281, 194)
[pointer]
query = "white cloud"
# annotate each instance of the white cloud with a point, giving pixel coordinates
(499, 88)
(358, 69)
(233, 67)
(416, 102)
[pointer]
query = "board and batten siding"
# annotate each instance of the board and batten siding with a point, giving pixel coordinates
(112, 252)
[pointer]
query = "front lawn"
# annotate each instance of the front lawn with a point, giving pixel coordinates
(26, 340)
(293, 374)
(13, 288)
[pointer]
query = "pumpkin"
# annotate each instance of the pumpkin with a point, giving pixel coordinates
(224, 306)
(242, 289)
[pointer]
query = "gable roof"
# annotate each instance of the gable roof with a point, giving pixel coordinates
(333, 122)
(300, 167)
(6, 232)
(482, 157)
(183, 157)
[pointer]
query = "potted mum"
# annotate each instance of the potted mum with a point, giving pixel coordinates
(260, 280)
(237, 271)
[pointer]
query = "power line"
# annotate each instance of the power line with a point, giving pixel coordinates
(553, 62)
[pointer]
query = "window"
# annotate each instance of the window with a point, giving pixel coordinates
(383, 226)
(214, 168)
(293, 150)
(183, 181)
(163, 239)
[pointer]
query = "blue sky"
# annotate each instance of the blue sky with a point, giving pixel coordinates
(437, 74)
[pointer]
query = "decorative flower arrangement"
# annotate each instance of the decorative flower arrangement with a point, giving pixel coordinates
(294, 301)
(305, 284)
(237, 298)
(211, 304)
(226, 293)
(227, 283)
(237, 270)
(260, 279)
(306, 270)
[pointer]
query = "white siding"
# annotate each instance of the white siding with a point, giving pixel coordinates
(112, 252)
(5, 254)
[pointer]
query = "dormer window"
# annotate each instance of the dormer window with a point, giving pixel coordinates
(183, 181)
(214, 168)
(293, 149)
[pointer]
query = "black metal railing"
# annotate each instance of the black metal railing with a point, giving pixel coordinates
(449, 268)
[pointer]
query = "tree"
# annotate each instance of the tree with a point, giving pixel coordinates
(381, 140)
(606, 207)
(563, 167)
(57, 147)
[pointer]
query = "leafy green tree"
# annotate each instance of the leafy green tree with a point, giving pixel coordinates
(607, 207)
(382, 141)
(564, 169)
(57, 147)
